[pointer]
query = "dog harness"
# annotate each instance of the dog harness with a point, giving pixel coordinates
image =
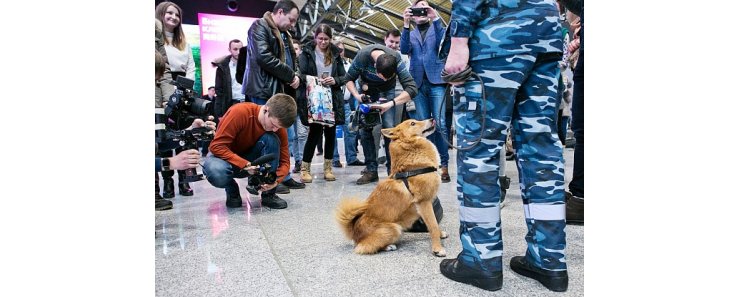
(404, 176)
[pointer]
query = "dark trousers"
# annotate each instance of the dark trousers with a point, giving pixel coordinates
(576, 184)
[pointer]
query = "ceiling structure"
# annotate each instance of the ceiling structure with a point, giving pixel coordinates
(358, 23)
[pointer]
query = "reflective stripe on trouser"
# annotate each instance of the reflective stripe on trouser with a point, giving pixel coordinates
(522, 90)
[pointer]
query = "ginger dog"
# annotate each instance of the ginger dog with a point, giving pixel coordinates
(377, 223)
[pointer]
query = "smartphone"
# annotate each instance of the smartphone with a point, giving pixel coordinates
(418, 11)
(325, 74)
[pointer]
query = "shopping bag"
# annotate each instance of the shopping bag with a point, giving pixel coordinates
(319, 102)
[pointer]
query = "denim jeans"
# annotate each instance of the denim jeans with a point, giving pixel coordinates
(350, 138)
(221, 174)
(428, 102)
(260, 101)
(297, 135)
(368, 142)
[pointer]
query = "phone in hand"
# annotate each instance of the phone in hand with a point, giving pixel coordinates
(418, 11)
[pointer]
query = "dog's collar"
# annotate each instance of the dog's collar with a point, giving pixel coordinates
(407, 174)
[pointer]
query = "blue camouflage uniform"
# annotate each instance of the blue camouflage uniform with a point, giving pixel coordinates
(514, 47)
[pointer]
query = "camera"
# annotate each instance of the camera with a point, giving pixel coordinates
(366, 116)
(188, 139)
(183, 107)
(418, 11)
(264, 176)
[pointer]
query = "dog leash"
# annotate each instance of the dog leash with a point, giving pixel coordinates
(461, 77)
(404, 176)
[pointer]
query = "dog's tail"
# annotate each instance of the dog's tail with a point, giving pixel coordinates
(348, 210)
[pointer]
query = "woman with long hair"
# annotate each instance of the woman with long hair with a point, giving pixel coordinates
(180, 59)
(320, 56)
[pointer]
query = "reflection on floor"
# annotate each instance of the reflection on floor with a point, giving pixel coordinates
(205, 249)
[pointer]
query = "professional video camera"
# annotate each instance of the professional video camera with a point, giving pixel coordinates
(264, 175)
(183, 107)
(367, 115)
(172, 122)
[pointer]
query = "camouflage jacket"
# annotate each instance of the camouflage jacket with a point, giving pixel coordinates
(506, 27)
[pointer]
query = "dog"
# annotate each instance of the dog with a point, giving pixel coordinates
(377, 223)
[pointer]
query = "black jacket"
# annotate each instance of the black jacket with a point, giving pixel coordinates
(223, 86)
(265, 73)
(307, 64)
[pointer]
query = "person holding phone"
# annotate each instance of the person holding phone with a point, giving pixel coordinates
(320, 56)
(421, 45)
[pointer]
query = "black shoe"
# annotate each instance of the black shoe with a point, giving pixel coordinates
(161, 203)
(381, 160)
(233, 201)
(168, 188)
(273, 201)
(297, 168)
(573, 209)
(457, 271)
(282, 189)
(293, 184)
(356, 163)
(556, 281)
(368, 177)
(185, 189)
(336, 164)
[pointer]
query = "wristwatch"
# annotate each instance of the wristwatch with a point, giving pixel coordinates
(165, 164)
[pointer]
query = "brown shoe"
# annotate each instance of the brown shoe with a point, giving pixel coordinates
(328, 174)
(445, 175)
(368, 177)
(306, 172)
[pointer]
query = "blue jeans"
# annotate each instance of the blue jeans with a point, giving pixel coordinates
(350, 139)
(368, 142)
(297, 135)
(428, 102)
(221, 174)
(260, 101)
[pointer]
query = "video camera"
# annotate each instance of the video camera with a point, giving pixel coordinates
(183, 107)
(171, 122)
(367, 116)
(264, 175)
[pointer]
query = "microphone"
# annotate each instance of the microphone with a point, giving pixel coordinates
(262, 160)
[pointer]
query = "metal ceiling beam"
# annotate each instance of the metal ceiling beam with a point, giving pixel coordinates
(312, 14)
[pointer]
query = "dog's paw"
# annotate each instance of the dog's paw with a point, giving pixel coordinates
(391, 247)
(443, 235)
(441, 253)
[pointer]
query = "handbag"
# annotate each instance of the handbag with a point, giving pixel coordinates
(320, 102)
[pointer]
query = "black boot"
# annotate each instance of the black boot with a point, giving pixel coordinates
(554, 280)
(573, 209)
(159, 202)
(168, 187)
(273, 201)
(457, 271)
(184, 187)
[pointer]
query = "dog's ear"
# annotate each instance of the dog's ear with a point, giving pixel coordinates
(390, 133)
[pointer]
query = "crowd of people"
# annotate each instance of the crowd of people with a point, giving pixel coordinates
(521, 52)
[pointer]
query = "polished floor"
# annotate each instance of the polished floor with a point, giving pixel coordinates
(205, 249)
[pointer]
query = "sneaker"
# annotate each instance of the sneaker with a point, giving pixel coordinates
(336, 164)
(457, 271)
(273, 201)
(293, 184)
(282, 189)
(356, 163)
(381, 160)
(368, 177)
(161, 203)
(556, 281)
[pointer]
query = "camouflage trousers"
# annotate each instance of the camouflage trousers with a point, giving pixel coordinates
(520, 90)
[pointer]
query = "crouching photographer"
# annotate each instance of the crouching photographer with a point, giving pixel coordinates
(247, 132)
